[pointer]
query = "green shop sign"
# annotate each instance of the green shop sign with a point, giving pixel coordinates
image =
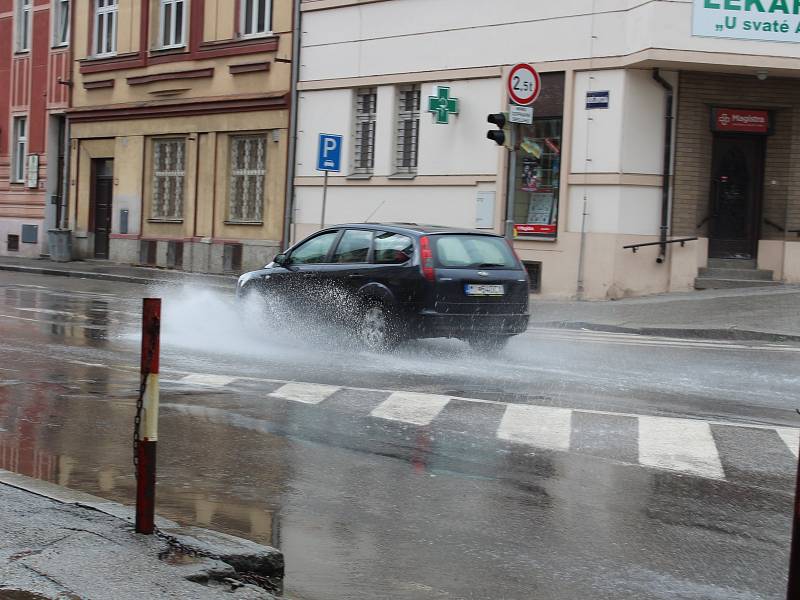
(442, 105)
(768, 20)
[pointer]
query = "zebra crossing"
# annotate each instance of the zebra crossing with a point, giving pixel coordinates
(700, 448)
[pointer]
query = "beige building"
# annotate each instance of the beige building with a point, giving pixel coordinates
(179, 131)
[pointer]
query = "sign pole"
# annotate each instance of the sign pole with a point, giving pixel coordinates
(512, 183)
(324, 200)
(146, 429)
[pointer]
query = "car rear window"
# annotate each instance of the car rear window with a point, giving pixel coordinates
(474, 252)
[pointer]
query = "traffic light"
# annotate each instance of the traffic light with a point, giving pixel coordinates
(498, 136)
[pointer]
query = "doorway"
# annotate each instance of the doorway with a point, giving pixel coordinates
(102, 194)
(736, 188)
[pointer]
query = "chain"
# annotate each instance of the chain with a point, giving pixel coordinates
(137, 420)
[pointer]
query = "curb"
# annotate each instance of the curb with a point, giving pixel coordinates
(703, 334)
(101, 276)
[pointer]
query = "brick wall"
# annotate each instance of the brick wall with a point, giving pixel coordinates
(697, 93)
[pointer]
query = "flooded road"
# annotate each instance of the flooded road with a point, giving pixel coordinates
(430, 473)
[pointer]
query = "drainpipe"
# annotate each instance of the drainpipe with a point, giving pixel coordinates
(665, 188)
(288, 217)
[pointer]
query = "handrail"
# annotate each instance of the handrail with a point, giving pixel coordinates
(774, 224)
(681, 241)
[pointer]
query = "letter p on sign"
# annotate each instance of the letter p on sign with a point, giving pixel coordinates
(329, 157)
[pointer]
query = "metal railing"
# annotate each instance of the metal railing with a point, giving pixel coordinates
(681, 241)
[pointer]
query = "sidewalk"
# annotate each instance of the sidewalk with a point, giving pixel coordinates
(56, 543)
(767, 314)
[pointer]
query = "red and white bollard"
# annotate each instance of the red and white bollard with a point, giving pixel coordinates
(147, 419)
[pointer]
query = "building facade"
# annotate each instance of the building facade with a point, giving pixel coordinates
(179, 131)
(35, 59)
(656, 121)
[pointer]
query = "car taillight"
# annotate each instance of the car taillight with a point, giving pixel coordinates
(426, 259)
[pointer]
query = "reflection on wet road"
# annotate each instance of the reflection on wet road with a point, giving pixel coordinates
(371, 492)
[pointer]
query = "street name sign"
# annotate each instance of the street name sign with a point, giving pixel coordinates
(597, 99)
(329, 157)
(523, 84)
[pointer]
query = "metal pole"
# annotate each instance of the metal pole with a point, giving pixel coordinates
(512, 183)
(148, 437)
(324, 200)
(793, 590)
(582, 253)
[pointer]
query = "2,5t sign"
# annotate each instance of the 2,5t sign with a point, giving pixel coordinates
(523, 84)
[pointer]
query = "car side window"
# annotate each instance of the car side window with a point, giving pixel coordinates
(392, 248)
(353, 246)
(313, 251)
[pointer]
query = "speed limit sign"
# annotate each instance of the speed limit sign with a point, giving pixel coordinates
(523, 84)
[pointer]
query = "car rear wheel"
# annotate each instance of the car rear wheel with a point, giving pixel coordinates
(489, 343)
(377, 328)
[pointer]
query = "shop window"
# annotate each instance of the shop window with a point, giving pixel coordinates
(364, 135)
(23, 19)
(406, 151)
(248, 169)
(538, 176)
(172, 22)
(255, 17)
(61, 23)
(105, 27)
(169, 176)
(19, 149)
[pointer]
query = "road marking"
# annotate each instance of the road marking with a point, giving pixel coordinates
(307, 393)
(679, 445)
(792, 439)
(411, 407)
(540, 426)
(210, 380)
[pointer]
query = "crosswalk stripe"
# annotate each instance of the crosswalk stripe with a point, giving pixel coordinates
(411, 407)
(791, 438)
(307, 393)
(679, 445)
(206, 379)
(539, 426)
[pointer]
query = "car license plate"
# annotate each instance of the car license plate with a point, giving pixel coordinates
(482, 289)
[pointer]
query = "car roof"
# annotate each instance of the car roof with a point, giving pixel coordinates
(413, 228)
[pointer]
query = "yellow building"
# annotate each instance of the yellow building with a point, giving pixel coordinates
(179, 131)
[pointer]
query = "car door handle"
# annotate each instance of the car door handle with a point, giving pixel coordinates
(308, 275)
(354, 276)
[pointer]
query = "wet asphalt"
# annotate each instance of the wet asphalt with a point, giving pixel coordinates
(366, 507)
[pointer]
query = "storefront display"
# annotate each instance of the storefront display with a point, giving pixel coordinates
(538, 176)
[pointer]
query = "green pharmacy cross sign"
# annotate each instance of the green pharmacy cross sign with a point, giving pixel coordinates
(442, 105)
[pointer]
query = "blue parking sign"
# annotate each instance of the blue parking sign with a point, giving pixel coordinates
(329, 157)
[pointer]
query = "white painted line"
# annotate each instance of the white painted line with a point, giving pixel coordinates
(791, 437)
(411, 407)
(539, 426)
(210, 380)
(307, 393)
(679, 445)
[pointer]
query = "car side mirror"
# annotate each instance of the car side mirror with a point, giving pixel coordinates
(281, 260)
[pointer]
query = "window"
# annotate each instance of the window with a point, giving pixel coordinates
(23, 18)
(392, 249)
(105, 27)
(314, 250)
(474, 251)
(407, 129)
(248, 169)
(172, 21)
(538, 176)
(256, 17)
(19, 149)
(364, 146)
(61, 23)
(169, 174)
(353, 247)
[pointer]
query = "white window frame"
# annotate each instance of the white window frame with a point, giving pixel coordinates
(23, 15)
(105, 11)
(60, 12)
(405, 151)
(255, 5)
(158, 204)
(169, 39)
(19, 148)
(365, 115)
(251, 209)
